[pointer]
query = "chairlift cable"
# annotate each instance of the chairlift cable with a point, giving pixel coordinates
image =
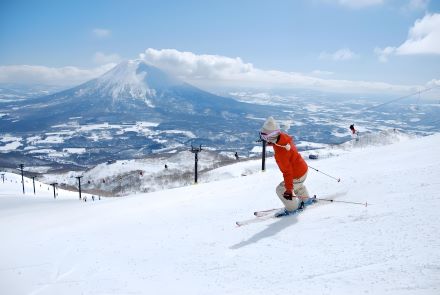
(402, 97)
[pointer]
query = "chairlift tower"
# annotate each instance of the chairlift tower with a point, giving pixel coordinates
(22, 177)
(263, 153)
(263, 156)
(79, 185)
(196, 151)
(54, 186)
(33, 182)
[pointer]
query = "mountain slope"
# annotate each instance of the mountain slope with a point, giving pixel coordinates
(184, 240)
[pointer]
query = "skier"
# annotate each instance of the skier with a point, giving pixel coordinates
(354, 133)
(290, 163)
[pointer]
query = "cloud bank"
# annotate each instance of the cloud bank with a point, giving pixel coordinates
(64, 76)
(210, 72)
(214, 71)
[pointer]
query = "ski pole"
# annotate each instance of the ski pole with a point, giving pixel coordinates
(331, 200)
(338, 201)
(337, 179)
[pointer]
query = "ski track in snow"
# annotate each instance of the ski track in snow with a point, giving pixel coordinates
(184, 240)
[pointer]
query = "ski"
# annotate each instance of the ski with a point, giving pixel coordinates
(266, 212)
(269, 211)
(256, 219)
(274, 213)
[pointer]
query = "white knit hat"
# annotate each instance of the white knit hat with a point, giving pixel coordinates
(270, 130)
(270, 126)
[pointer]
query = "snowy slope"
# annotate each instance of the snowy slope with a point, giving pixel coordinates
(184, 241)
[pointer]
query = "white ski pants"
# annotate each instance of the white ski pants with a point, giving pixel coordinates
(299, 189)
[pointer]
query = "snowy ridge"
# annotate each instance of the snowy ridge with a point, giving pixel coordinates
(384, 137)
(363, 140)
(212, 166)
(147, 175)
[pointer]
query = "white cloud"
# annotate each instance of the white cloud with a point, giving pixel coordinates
(433, 83)
(64, 76)
(102, 33)
(339, 55)
(357, 4)
(213, 72)
(197, 66)
(322, 73)
(102, 58)
(423, 38)
(416, 5)
(383, 54)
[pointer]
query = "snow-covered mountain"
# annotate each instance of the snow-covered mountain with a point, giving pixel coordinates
(133, 90)
(121, 83)
(184, 241)
(132, 110)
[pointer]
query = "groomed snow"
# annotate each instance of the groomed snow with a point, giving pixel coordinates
(184, 241)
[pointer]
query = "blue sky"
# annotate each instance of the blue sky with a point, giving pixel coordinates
(332, 40)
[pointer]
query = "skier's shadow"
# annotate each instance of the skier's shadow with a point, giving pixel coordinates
(271, 230)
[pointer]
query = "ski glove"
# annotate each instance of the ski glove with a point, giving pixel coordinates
(288, 195)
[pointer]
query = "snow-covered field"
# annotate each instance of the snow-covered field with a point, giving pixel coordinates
(184, 241)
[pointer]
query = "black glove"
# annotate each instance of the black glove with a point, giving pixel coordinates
(288, 195)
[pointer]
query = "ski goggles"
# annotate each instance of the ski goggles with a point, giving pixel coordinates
(269, 136)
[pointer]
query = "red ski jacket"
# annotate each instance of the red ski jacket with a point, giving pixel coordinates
(290, 162)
